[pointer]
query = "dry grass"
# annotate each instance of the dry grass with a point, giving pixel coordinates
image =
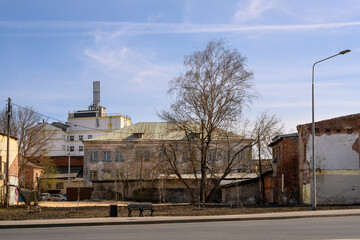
(23, 213)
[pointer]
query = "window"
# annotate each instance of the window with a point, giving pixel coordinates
(212, 155)
(241, 155)
(138, 154)
(93, 175)
(63, 137)
(63, 147)
(274, 154)
(93, 157)
(185, 156)
(71, 138)
(71, 148)
(67, 148)
(119, 157)
(119, 174)
(107, 156)
(81, 148)
(81, 137)
(147, 156)
(68, 138)
(279, 154)
(0, 163)
(59, 185)
(89, 136)
(106, 174)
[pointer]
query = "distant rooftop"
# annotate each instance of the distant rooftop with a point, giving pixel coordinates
(149, 131)
(279, 137)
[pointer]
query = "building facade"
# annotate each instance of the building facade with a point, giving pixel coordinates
(285, 185)
(83, 125)
(137, 153)
(337, 160)
(13, 169)
(66, 144)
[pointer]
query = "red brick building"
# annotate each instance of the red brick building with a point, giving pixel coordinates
(285, 169)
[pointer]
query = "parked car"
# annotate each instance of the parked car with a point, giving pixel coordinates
(57, 197)
(44, 196)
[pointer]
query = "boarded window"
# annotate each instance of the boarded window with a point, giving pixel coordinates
(93, 175)
(106, 174)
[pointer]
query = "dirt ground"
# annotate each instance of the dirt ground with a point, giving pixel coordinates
(57, 210)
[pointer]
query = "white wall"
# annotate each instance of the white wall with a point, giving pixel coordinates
(338, 181)
(334, 151)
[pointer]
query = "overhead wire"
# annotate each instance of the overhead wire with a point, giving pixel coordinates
(66, 123)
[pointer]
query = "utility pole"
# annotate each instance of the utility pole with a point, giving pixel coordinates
(7, 153)
(69, 170)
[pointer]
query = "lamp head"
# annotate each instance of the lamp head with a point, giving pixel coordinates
(345, 51)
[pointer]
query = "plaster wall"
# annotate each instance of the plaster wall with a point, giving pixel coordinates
(334, 151)
(338, 187)
(337, 169)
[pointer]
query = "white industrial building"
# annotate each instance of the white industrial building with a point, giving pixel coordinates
(83, 125)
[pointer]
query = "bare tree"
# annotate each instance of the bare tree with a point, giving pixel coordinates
(265, 128)
(210, 96)
(33, 139)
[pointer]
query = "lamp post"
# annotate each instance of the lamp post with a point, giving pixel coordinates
(313, 130)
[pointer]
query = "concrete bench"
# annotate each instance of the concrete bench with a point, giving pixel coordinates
(141, 207)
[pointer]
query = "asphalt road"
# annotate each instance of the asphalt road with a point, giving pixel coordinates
(306, 228)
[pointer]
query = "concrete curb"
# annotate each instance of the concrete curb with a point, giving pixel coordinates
(168, 220)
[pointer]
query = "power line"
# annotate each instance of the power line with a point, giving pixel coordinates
(66, 123)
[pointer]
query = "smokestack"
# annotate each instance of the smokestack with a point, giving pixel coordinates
(96, 93)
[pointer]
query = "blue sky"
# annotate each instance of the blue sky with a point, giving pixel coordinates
(52, 51)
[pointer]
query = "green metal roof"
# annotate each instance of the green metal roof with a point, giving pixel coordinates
(149, 130)
(154, 131)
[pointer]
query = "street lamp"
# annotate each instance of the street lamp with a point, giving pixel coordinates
(313, 130)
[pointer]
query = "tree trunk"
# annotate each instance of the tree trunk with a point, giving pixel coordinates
(203, 182)
(261, 180)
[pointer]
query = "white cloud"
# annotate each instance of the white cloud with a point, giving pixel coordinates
(109, 30)
(254, 10)
(139, 69)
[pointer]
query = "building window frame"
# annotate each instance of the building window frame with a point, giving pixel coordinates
(93, 175)
(59, 185)
(93, 156)
(106, 156)
(119, 157)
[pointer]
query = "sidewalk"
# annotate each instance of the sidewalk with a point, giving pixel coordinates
(180, 219)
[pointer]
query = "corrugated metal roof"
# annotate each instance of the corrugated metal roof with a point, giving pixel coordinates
(149, 131)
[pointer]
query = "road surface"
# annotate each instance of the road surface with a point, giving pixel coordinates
(306, 228)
